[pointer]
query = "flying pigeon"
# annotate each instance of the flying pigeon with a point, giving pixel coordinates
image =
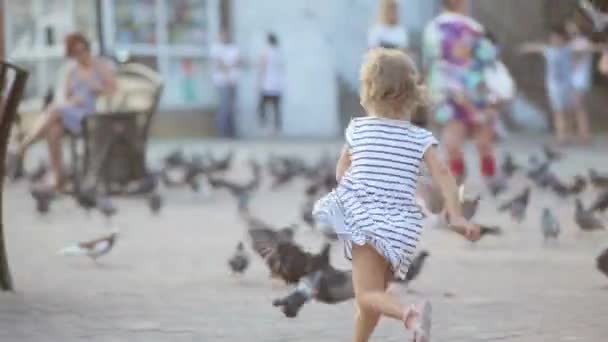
(305, 291)
(585, 219)
(550, 226)
(285, 259)
(93, 249)
(517, 206)
(240, 260)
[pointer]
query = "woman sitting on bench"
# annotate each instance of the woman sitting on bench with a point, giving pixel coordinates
(89, 78)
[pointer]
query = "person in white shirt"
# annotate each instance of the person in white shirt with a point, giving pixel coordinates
(225, 58)
(271, 84)
(582, 61)
(387, 33)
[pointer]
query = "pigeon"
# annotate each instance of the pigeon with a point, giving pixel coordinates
(598, 180)
(497, 185)
(517, 206)
(239, 261)
(39, 172)
(561, 189)
(14, 166)
(285, 259)
(469, 206)
(601, 203)
(550, 226)
(508, 166)
(306, 212)
(602, 262)
(175, 159)
(598, 19)
(106, 207)
(86, 198)
(415, 267)
(585, 219)
(551, 154)
(146, 185)
(93, 249)
(242, 192)
(305, 291)
(43, 198)
(155, 203)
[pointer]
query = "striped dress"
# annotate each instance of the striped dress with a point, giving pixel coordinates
(374, 203)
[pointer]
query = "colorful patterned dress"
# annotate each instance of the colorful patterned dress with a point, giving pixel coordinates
(456, 52)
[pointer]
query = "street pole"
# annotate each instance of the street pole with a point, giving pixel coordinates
(2, 30)
(99, 24)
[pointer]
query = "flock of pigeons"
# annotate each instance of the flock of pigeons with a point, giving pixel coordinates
(312, 273)
(315, 278)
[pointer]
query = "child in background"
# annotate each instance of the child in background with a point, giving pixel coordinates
(373, 209)
(581, 78)
(558, 79)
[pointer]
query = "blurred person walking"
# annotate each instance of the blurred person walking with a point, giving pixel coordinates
(582, 60)
(558, 79)
(226, 61)
(387, 32)
(271, 85)
(456, 54)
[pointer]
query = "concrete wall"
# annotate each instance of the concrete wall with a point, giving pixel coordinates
(323, 41)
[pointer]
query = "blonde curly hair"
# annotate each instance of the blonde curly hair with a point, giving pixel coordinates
(389, 84)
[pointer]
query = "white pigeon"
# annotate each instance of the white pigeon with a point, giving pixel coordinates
(94, 248)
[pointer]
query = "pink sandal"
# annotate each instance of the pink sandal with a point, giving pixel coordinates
(422, 328)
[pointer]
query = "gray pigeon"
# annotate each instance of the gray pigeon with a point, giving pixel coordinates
(240, 260)
(155, 202)
(93, 249)
(106, 207)
(517, 206)
(508, 166)
(601, 203)
(602, 262)
(585, 219)
(550, 225)
(469, 206)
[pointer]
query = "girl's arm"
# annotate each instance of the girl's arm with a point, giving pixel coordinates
(441, 176)
(532, 48)
(343, 163)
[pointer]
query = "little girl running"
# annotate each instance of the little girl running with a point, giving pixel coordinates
(373, 208)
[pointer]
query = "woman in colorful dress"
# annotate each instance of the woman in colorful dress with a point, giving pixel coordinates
(456, 53)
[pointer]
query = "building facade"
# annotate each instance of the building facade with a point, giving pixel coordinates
(323, 43)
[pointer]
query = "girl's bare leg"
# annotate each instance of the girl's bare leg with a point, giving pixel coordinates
(582, 119)
(47, 119)
(454, 135)
(484, 138)
(54, 136)
(560, 127)
(370, 283)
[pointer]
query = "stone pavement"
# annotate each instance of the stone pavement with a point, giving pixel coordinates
(167, 279)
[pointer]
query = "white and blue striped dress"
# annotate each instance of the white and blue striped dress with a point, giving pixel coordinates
(374, 203)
